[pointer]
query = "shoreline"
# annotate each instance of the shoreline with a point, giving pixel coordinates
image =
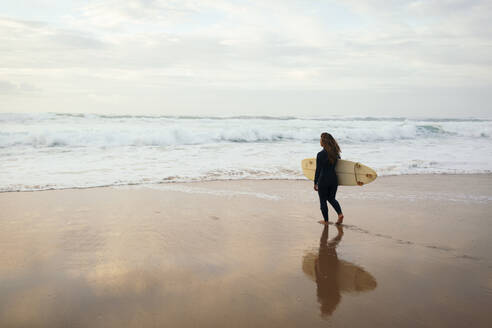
(236, 180)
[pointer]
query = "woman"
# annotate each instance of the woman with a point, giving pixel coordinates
(325, 178)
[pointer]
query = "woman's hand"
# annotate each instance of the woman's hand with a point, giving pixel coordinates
(316, 187)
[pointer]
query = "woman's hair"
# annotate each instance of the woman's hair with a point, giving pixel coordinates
(331, 146)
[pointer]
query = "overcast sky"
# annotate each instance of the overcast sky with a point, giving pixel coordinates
(258, 57)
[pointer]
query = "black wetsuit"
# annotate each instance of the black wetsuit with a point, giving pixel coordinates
(327, 181)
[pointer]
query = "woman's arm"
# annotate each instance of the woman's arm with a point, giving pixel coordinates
(318, 169)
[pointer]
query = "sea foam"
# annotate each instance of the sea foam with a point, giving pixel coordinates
(56, 150)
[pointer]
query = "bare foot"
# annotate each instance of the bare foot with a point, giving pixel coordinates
(323, 222)
(340, 219)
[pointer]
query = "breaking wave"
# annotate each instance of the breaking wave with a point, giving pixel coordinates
(60, 150)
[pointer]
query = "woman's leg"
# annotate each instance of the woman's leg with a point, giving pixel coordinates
(322, 205)
(334, 203)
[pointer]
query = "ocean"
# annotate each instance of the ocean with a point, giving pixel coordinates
(59, 151)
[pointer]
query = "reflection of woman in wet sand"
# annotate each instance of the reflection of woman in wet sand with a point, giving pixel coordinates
(328, 290)
(334, 276)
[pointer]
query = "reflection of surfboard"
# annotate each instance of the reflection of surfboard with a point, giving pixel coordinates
(349, 173)
(348, 277)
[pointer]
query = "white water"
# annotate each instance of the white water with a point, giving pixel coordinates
(54, 151)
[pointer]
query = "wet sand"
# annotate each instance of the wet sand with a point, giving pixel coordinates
(414, 252)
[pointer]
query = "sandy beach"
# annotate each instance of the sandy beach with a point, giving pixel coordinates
(414, 252)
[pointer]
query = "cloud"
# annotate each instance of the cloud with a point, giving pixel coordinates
(69, 39)
(7, 87)
(276, 45)
(124, 15)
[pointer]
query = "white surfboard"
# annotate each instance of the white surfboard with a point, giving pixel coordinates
(349, 173)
